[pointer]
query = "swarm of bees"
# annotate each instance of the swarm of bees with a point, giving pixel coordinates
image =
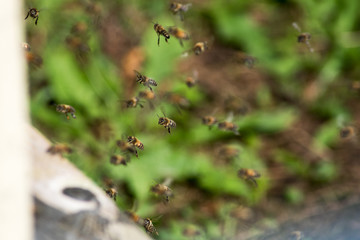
(249, 175)
(34, 13)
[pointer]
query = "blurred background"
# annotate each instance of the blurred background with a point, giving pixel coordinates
(297, 110)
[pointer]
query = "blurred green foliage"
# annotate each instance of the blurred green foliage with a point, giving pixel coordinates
(93, 84)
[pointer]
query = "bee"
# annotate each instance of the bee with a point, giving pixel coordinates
(66, 109)
(228, 126)
(126, 147)
(249, 174)
(191, 232)
(135, 142)
(296, 235)
(134, 217)
(209, 121)
(303, 37)
(177, 100)
(167, 123)
(26, 46)
(33, 58)
(79, 28)
(347, 132)
(162, 190)
(178, 8)
(179, 34)
(59, 148)
(118, 159)
(160, 30)
(200, 47)
(149, 227)
(148, 95)
(77, 44)
(142, 79)
(133, 103)
(228, 152)
(236, 106)
(34, 13)
(192, 80)
(111, 192)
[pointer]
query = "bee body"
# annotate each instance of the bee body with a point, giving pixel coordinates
(190, 81)
(162, 190)
(34, 13)
(161, 31)
(249, 174)
(179, 34)
(228, 126)
(209, 121)
(147, 82)
(118, 159)
(133, 103)
(59, 148)
(304, 37)
(228, 152)
(127, 148)
(149, 95)
(167, 123)
(135, 142)
(149, 226)
(200, 47)
(133, 216)
(112, 193)
(66, 109)
(178, 8)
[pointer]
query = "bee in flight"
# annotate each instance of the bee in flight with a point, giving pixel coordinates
(348, 132)
(191, 81)
(179, 34)
(209, 121)
(111, 192)
(126, 147)
(118, 159)
(142, 79)
(160, 30)
(228, 152)
(304, 37)
(149, 227)
(162, 190)
(135, 142)
(200, 47)
(228, 126)
(66, 109)
(148, 95)
(59, 148)
(133, 103)
(178, 8)
(249, 174)
(167, 123)
(177, 100)
(34, 13)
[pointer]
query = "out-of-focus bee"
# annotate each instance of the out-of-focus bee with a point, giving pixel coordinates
(228, 152)
(66, 109)
(148, 95)
(149, 226)
(249, 174)
(179, 34)
(118, 159)
(77, 43)
(296, 235)
(200, 47)
(33, 58)
(111, 192)
(142, 79)
(192, 80)
(34, 13)
(209, 121)
(162, 190)
(160, 30)
(134, 217)
(347, 132)
(228, 126)
(59, 148)
(191, 232)
(303, 37)
(133, 103)
(167, 123)
(178, 8)
(136, 142)
(177, 100)
(236, 106)
(79, 28)
(126, 147)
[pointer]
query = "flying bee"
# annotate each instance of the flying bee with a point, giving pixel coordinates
(200, 47)
(179, 34)
(126, 147)
(228, 152)
(178, 8)
(133, 103)
(160, 30)
(134, 217)
(347, 132)
(142, 79)
(33, 58)
(77, 43)
(209, 121)
(149, 227)
(59, 148)
(136, 142)
(79, 28)
(34, 13)
(148, 95)
(118, 159)
(304, 37)
(66, 109)
(177, 100)
(228, 126)
(167, 123)
(236, 105)
(111, 192)
(162, 190)
(249, 174)
(190, 81)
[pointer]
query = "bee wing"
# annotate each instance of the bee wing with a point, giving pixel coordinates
(186, 7)
(296, 26)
